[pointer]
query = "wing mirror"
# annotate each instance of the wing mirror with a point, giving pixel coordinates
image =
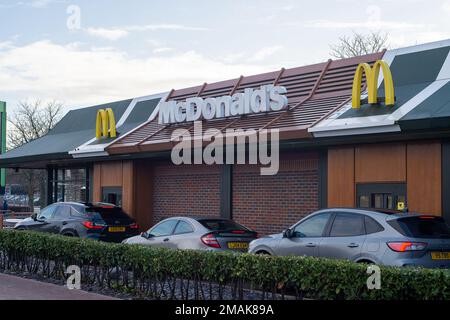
(287, 233)
(34, 216)
(146, 235)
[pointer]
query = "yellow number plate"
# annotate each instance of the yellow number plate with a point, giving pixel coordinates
(238, 245)
(116, 229)
(440, 255)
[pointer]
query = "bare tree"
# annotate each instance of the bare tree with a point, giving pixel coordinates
(30, 121)
(359, 44)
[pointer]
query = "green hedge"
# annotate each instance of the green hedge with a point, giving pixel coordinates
(174, 274)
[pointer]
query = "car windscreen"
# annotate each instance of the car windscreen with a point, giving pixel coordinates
(222, 225)
(422, 227)
(103, 213)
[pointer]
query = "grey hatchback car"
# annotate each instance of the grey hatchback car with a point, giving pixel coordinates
(212, 234)
(359, 235)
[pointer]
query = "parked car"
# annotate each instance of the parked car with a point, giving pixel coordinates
(196, 233)
(98, 221)
(401, 239)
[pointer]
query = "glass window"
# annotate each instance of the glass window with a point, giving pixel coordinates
(221, 225)
(62, 212)
(364, 201)
(312, 227)
(163, 229)
(422, 227)
(47, 212)
(70, 185)
(347, 224)
(372, 226)
(112, 195)
(183, 227)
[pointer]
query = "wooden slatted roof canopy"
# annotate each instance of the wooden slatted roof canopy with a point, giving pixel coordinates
(313, 92)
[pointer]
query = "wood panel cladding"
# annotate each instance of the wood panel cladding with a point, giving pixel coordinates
(424, 177)
(115, 174)
(418, 164)
(380, 163)
(341, 177)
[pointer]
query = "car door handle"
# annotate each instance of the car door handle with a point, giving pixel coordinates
(353, 245)
(311, 245)
(166, 239)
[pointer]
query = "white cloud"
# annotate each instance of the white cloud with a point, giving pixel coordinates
(162, 50)
(370, 24)
(116, 33)
(108, 34)
(84, 76)
(265, 53)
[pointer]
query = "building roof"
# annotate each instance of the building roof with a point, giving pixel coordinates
(421, 76)
(75, 132)
(313, 92)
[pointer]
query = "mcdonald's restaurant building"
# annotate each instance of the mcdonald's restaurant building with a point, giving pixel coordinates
(371, 131)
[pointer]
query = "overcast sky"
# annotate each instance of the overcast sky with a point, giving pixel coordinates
(87, 52)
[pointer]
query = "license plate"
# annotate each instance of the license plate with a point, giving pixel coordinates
(238, 245)
(116, 229)
(440, 255)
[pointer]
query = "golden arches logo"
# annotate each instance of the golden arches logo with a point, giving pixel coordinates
(372, 83)
(105, 124)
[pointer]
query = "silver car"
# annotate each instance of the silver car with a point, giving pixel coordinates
(196, 233)
(402, 239)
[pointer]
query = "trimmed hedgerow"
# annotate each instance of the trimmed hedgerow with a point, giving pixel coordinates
(175, 274)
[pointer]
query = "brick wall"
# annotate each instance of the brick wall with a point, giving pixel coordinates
(269, 204)
(187, 190)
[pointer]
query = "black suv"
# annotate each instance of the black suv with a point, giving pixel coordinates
(100, 221)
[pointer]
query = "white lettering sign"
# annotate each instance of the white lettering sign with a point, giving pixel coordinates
(267, 98)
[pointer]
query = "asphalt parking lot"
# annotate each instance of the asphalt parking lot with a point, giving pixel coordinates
(16, 288)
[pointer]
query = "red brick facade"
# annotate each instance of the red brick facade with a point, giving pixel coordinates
(269, 204)
(186, 190)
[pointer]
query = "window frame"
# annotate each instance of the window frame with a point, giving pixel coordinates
(325, 228)
(160, 223)
(176, 226)
(350, 213)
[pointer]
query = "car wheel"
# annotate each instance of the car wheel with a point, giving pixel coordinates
(263, 252)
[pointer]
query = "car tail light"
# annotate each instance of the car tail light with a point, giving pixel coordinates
(134, 226)
(406, 246)
(238, 231)
(210, 240)
(427, 217)
(91, 225)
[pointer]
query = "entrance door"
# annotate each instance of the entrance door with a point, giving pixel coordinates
(390, 196)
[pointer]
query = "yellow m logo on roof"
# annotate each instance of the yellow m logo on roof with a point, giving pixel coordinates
(105, 124)
(372, 83)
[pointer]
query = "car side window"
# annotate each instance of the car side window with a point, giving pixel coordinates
(62, 212)
(183, 227)
(347, 225)
(312, 227)
(372, 226)
(163, 229)
(47, 212)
